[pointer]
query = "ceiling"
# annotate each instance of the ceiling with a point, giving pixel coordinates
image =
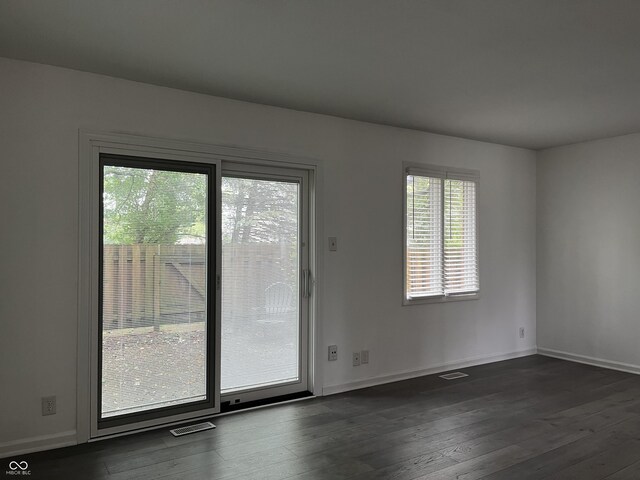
(529, 73)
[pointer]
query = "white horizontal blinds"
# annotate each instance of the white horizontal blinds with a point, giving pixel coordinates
(460, 245)
(424, 237)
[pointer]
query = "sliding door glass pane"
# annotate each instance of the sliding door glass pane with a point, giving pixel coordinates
(260, 275)
(153, 292)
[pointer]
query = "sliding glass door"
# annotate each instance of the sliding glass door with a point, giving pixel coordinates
(202, 286)
(265, 284)
(156, 262)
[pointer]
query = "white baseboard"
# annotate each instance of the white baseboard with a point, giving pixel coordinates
(37, 444)
(596, 362)
(396, 377)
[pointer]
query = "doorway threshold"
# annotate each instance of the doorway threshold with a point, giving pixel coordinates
(227, 407)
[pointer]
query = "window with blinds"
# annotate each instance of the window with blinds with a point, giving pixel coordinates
(424, 237)
(441, 253)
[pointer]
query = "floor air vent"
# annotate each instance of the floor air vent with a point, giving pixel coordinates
(453, 376)
(178, 432)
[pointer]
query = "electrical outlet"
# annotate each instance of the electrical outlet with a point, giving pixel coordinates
(333, 244)
(333, 353)
(356, 359)
(49, 405)
(364, 356)
(521, 332)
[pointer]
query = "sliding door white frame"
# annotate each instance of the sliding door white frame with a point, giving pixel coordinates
(91, 145)
(300, 177)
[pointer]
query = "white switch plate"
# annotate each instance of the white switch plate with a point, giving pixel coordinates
(333, 244)
(364, 356)
(356, 359)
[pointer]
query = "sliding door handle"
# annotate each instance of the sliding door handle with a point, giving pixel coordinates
(306, 283)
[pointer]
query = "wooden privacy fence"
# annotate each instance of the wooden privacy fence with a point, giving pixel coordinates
(424, 274)
(152, 285)
(249, 270)
(147, 284)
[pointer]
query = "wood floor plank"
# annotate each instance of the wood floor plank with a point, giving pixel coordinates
(205, 463)
(278, 469)
(133, 461)
(631, 472)
(412, 468)
(478, 467)
(548, 461)
(603, 464)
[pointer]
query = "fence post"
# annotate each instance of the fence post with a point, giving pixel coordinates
(122, 277)
(137, 306)
(108, 293)
(157, 283)
(148, 283)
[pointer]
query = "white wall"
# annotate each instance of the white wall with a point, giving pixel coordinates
(589, 251)
(41, 110)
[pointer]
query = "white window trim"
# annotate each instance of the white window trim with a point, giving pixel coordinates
(412, 168)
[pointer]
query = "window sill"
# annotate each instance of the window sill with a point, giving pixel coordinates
(441, 299)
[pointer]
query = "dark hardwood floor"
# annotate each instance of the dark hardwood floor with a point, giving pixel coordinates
(529, 418)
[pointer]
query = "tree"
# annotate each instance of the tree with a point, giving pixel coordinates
(143, 205)
(153, 206)
(259, 211)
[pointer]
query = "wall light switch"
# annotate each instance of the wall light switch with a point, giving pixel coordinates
(356, 359)
(364, 356)
(333, 244)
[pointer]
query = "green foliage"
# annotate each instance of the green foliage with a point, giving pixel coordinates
(153, 206)
(163, 207)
